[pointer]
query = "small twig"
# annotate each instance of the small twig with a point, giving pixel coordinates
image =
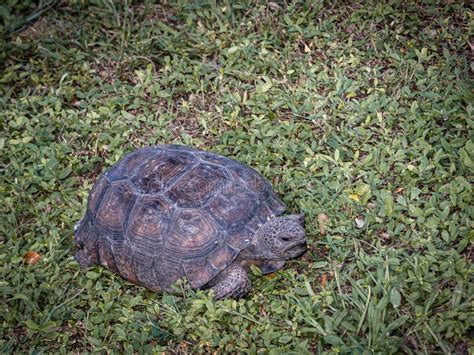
(346, 261)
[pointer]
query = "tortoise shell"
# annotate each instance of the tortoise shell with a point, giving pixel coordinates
(166, 212)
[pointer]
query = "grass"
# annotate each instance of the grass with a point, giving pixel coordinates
(360, 115)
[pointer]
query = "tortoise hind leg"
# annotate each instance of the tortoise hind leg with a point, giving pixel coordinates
(83, 259)
(231, 283)
(85, 236)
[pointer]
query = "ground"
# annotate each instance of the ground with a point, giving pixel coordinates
(360, 115)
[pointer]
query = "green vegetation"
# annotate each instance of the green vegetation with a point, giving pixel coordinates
(360, 115)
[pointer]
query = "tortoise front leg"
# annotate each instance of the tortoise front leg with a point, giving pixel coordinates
(233, 282)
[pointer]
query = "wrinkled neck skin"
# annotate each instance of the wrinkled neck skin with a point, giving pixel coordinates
(250, 256)
(251, 253)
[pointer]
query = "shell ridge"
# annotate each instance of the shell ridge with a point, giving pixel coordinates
(122, 164)
(97, 251)
(183, 175)
(112, 247)
(112, 254)
(101, 194)
(127, 214)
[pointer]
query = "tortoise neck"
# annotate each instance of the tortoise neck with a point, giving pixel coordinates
(248, 253)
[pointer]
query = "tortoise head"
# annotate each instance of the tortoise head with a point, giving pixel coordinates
(281, 238)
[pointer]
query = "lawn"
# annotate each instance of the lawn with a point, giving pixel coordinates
(360, 115)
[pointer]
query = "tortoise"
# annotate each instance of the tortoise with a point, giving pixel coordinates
(167, 212)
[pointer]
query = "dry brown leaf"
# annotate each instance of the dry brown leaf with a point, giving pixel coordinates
(31, 257)
(323, 220)
(324, 280)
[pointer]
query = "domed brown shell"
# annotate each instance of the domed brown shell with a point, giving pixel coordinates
(166, 212)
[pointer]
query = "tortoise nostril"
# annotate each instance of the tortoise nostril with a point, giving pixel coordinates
(285, 239)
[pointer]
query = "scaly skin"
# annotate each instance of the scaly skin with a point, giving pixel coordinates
(233, 282)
